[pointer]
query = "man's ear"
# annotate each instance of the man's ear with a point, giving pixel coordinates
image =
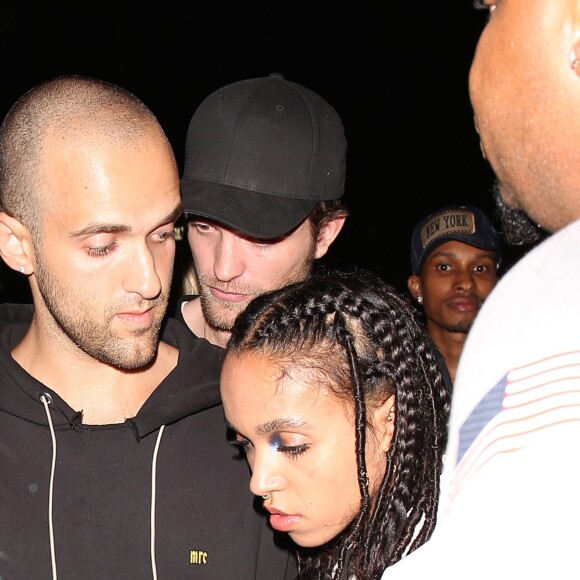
(15, 244)
(414, 285)
(327, 235)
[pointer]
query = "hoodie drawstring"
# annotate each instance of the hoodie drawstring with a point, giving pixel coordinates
(46, 400)
(153, 500)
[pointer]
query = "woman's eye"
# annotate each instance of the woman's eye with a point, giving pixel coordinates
(294, 450)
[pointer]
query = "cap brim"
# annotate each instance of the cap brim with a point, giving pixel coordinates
(256, 214)
(471, 240)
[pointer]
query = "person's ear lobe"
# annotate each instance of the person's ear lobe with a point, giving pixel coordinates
(574, 58)
(384, 420)
(414, 285)
(327, 234)
(15, 244)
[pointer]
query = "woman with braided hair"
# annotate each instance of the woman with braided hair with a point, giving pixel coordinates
(331, 387)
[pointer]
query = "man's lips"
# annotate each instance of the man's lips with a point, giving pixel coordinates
(228, 296)
(137, 317)
(464, 304)
(281, 521)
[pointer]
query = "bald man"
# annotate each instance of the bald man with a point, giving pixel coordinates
(113, 447)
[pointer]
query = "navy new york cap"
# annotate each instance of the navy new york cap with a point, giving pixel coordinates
(466, 224)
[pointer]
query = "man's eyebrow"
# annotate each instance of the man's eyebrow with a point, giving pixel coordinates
(108, 228)
(281, 425)
(99, 228)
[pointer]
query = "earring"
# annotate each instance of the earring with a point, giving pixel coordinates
(21, 269)
(420, 299)
(574, 61)
(391, 415)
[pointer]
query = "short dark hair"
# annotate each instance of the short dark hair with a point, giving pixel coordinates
(326, 211)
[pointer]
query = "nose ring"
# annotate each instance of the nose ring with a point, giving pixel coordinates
(266, 497)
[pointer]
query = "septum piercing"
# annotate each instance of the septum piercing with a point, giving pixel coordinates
(266, 497)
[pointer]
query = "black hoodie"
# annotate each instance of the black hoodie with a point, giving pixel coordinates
(161, 496)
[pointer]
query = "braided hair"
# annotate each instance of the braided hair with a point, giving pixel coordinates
(363, 340)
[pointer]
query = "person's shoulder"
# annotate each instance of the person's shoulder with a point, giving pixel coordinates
(191, 388)
(176, 310)
(178, 334)
(192, 349)
(15, 312)
(15, 320)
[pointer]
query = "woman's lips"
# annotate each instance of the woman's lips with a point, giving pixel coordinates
(283, 522)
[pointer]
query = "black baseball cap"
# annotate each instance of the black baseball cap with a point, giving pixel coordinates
(260, 153)
(466, 224)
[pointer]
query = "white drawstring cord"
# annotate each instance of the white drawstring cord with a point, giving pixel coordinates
(46, 401)
(153, 500)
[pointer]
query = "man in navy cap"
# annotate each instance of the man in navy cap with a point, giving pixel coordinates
(455, 256)
(509, 490)
(263, 176)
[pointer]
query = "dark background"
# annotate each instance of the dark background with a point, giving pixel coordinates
(396, 73)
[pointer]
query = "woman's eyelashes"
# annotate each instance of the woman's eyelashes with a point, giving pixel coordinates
(292, 450)
(275, 442)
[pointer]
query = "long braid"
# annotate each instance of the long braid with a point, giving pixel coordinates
(365, 342)
(345, 339)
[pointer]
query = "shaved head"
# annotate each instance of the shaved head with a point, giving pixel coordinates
(65, 112)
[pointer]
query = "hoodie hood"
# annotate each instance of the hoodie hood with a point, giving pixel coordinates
(189, 388)
(157, 495)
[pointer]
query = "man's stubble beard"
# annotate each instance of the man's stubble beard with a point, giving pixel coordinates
(461, 328)
(216, 313)
(516, 226)
(94, 336)
(222, 315)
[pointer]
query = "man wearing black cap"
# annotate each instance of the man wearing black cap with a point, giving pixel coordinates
(455, 254)
(263, 176)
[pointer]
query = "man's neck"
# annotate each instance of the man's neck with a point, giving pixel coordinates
(193, 316)
(450, 344)
(105, 394)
